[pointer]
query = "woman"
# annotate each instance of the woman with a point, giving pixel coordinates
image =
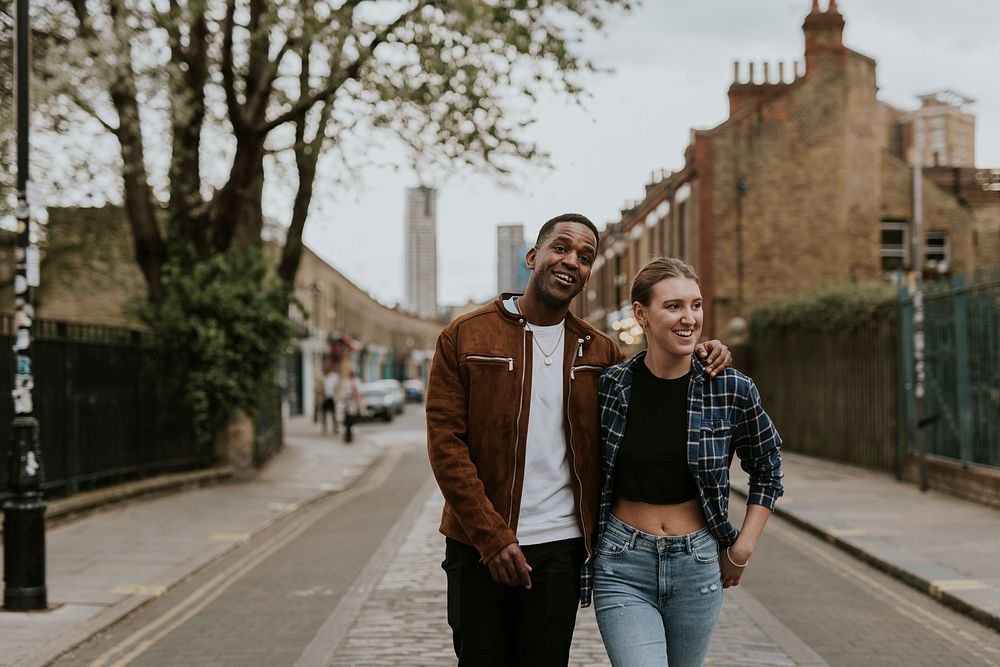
(666, 547)
(350, 395)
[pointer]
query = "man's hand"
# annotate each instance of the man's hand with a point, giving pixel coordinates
(510, 567)
(715, 355)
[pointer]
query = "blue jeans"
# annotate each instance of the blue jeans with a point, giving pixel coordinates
(656, 598)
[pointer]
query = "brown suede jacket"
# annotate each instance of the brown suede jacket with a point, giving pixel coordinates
(478, 396)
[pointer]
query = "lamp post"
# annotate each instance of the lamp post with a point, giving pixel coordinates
(24, 511)
(620, 246)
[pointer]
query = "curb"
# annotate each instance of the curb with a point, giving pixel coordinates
(65, 509)
(915, 581)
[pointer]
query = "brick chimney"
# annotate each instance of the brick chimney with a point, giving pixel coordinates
(748, 92)
(824, 33)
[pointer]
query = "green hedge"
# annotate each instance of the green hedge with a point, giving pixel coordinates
(823, 310)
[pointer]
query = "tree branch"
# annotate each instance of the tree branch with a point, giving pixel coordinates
(89, 109)
(305, 103)
(228, 71)
(262, 91)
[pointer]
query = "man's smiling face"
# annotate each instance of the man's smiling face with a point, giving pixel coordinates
(561, 265)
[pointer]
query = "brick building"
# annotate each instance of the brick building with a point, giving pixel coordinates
(805, 184)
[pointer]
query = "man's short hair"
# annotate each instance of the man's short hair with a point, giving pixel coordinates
(546, 231)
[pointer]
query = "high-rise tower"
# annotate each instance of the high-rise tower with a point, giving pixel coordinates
(512, 274)
(421, 251)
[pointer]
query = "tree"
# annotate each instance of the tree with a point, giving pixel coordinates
(280, 82)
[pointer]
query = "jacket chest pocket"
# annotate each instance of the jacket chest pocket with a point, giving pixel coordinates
(714, 446)
(476, 359)
(493, 381)
(583, 386)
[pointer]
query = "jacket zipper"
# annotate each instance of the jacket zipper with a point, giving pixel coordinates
(478, 357)
(517, 422)
(576, 472)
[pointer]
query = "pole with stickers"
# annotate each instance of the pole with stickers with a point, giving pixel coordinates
(24, 510)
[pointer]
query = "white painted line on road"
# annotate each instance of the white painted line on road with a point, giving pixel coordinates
(321, 650)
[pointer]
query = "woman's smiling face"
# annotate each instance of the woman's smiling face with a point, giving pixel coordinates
(674, 318)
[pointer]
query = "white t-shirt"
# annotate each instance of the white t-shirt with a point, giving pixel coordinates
(330, 384)
(548, 512)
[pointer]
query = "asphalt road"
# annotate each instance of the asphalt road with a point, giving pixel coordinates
(263, 603)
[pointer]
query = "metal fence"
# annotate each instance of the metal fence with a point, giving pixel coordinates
(960, 415)
(103, 411)
(833, 395)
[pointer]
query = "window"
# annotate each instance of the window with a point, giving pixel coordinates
(895, 245)
(936, 251)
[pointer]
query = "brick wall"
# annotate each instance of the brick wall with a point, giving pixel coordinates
(941, 211)
(88, 271)
(795, 188)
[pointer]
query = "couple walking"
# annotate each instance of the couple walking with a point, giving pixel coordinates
(569, 473)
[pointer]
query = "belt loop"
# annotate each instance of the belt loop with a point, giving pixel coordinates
(631, 542)
(687, 543)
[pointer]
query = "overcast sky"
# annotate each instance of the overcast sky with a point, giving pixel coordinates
(673, 62)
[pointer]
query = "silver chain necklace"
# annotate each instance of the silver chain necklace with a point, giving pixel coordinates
(546, 355)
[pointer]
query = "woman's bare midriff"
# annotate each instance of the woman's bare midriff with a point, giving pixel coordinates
(679, 519)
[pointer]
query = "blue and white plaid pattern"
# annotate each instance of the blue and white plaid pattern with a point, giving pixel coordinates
(725, 418)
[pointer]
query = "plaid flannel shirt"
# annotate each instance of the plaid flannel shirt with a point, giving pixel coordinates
(724, 418)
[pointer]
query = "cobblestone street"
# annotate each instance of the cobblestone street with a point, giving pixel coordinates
(404, 622)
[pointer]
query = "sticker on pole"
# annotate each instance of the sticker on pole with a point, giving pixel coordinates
(33, 266)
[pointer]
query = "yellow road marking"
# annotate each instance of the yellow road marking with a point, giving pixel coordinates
(230, 537)
(954, 635)
(138, 589)
(957, 585)
(217, 585)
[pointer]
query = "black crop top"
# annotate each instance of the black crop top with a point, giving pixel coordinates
(651, 465)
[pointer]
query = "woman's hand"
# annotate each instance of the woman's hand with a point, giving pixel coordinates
(716, 356)
(731, 559)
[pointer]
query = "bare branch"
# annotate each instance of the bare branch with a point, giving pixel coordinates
(228, 68)
(89, 109)
(305, 103)
(262, 91)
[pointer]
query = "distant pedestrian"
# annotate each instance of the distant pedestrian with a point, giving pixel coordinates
(350, 396)
(514, 441)
(330, 381)
(666, 547)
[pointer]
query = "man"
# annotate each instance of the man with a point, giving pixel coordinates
(513, 437)
(330, 381)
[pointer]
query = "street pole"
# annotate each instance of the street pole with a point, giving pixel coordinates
(918, 299)
(24, 511)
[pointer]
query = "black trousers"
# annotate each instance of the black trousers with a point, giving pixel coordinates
(494, 624)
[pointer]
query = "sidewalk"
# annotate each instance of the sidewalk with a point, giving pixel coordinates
(943, 546)
(102, 567)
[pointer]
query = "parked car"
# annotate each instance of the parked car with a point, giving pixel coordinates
(414, 390)
(395, 389)
(379, 401)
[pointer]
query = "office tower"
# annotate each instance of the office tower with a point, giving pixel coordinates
(512, 273)
(421, 251)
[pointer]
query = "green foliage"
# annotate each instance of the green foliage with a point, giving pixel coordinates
(223, 324)
(827, 309)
